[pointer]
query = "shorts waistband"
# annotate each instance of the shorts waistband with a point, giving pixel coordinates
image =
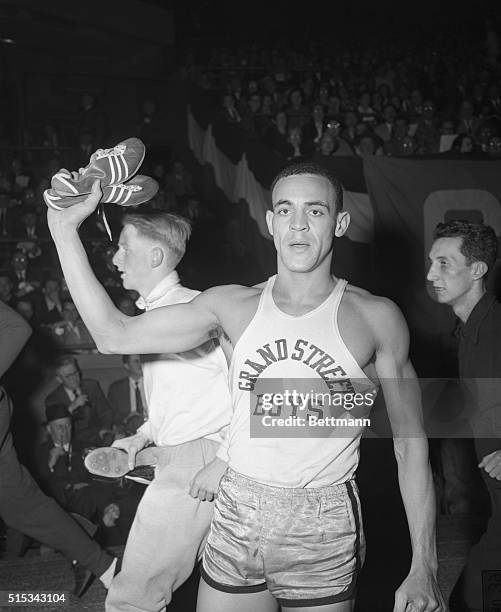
(258, 488)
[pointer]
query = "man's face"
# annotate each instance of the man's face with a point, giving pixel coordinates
(303, 221)
(69, 375)
(60, 430)
(451, 276)
(132, 258)
(134, 367)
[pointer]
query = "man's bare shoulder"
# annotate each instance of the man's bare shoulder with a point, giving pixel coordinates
(222, 295)
(380, 313)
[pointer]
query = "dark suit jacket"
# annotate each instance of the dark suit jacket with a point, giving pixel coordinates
(90, 418)
(119, 399)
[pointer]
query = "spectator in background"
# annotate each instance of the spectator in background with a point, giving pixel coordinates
(297, 113)
(464, 145)
(92, 120)
(126, 396)
(25, 278)
(49, 303)
(229, 110)
(25, 308)
(71, 331)
(60, 472)
(315, 128)
(7, 290)
(365, 111)
(277, 134)
(368, 144)
(427, 133)
(385, 130)
(349, 131)
(85, 401)
(295, 147)
(395, 146)
(467, 122)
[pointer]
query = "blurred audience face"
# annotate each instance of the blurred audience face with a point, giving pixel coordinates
(5, 288)
(19, 261)
(408, 145)
(281, 121)
(70, 312)
(389, 113)
(327, 144)
(51, 290)
(69, 375)
(428, 109)
(447, 127)
(134, 367)
(25, 309)
(318, 113)
(366, 146)
(401, 127)
(494, 147)
(296, 99)
(255, 103)
(295, 136)
(60, 430)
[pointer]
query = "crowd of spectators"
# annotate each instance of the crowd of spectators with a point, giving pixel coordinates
(427, 95)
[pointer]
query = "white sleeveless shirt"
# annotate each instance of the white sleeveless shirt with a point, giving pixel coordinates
(280, 353)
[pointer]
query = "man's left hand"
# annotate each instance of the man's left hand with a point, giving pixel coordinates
(492, 464)
(419, 592)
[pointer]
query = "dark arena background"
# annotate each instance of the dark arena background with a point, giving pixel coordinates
(402, 101)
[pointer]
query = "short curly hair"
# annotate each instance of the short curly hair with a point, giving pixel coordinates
(479, 241)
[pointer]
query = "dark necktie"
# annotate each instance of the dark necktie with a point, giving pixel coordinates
(139, 401)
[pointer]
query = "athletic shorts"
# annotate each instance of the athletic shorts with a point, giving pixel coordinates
(306, 546)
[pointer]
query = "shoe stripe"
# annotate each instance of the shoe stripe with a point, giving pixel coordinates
(112, 169)
(112, 193)
(119, 196)
(67, 183)
(118, 170)
(126, 167)
(128, 196)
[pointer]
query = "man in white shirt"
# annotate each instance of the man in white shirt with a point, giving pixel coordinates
(189, 409)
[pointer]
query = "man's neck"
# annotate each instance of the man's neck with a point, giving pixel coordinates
(464, 308)
(296, 287)
(152, 281)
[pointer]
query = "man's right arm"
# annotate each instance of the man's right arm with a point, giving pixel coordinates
(170, 329)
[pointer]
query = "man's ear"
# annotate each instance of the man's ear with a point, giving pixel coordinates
(269, 221)
(479, 269)
(157, 256)
(342, 223)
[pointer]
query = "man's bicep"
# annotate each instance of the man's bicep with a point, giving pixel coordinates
(170, 329)
(398, 379)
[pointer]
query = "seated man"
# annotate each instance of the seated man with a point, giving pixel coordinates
(126, 397)
(85, 401)
(60, 472)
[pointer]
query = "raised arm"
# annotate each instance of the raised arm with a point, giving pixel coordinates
(164, 330)
(14, 332)
(403, 401)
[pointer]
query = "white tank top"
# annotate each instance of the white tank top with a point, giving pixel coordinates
(306, 354)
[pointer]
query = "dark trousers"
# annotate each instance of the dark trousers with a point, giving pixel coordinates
(25, 508)
(467, 595)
